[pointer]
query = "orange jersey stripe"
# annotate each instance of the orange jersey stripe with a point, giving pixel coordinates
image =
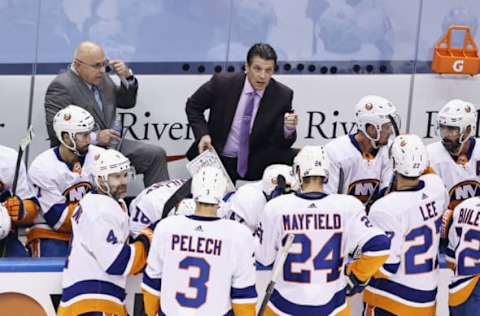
(396, 307)
(244, 309)
(151, 303)
(366, 266)
(460, 296)
(67, 223)
(92, 305)
(140, 258)
(41, 233)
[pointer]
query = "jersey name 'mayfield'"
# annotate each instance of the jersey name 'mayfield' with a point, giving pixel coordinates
(187, 243)
(313, 221)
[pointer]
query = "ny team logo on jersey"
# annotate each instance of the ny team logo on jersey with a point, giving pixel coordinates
(363, 189)
(77, 191)
(462, 191)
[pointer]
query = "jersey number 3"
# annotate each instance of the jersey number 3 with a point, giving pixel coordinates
(199, 283)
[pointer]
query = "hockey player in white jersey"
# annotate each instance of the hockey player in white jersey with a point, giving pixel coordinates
(248, 202)
(148, 207)
(412, 216)
(455, 158)
(463, 256)
(22, 208)
(359, 162)
(95, 274)
(201, 264)
(327, 228)
(61, 176)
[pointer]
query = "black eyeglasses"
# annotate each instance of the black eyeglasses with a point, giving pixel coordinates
(96, 66)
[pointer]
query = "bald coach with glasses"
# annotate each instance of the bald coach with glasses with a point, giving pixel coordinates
(87, 84)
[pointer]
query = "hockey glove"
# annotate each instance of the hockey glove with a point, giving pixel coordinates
(354, 285)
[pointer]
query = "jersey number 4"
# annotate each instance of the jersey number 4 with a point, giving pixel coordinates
(328, 258)
(199, 283)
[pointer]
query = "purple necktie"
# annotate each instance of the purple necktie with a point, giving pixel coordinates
(242, 162)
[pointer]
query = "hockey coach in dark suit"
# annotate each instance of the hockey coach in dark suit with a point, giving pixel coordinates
(251, 123)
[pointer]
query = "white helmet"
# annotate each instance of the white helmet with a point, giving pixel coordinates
(311, 161)
(458, 113)
(269, 178)
(375, 110)
(409, 155)
(209, 185)
(110, 161)
(185, 207)
(72, 120)
(5, 222)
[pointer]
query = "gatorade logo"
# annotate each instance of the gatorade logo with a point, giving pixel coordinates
(458, 65)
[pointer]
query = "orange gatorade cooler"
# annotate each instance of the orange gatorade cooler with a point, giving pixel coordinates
(456, 60)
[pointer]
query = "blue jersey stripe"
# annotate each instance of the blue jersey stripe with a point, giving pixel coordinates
(93, 287)
(153, 283)
(53, 215)
(458, 282)
(391, 267)
(119, 266)
(290, 308)
(377, 243)
(246, 292)
(402, 291)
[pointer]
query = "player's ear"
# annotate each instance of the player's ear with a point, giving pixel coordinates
(372, 132)
(101, 184)
(65, 138)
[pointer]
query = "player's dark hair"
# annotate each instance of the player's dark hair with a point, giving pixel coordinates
(262, 50)
(308, 180)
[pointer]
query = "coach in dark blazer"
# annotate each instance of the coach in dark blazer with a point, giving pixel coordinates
(87, 85)
(238, 101)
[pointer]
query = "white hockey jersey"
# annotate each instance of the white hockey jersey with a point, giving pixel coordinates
(327, 229)
(147, 207)
(463, 250)
(59, 187)
(8, 161)
(461, 179)
(200, 266)
(95, 274)
(407, 282)
(246, 205)
(361, 176)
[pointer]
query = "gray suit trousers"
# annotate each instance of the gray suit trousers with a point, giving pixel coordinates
(148, 159)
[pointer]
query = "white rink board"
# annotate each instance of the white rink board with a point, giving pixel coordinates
(40, 285)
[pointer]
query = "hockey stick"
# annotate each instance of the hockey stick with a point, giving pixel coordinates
(21, 149)
(276, 270)
(181, 193)
(341, 181)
